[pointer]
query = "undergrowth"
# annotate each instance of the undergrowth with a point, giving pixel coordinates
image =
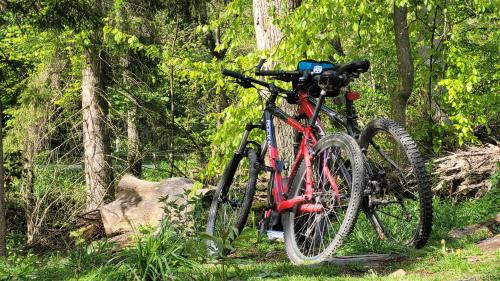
(179, 253)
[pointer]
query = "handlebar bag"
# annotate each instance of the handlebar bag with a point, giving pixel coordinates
(315, 67)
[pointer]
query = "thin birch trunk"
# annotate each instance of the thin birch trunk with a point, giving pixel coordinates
(399, 98)
(3, 226)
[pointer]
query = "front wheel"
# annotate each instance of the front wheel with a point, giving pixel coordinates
(338, 175)
(232, 201)
(400, 202)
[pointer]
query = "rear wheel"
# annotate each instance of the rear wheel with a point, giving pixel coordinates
(339, 177)
(400, 201)
(232, 200)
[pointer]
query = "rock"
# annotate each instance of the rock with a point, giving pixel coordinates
(473, 258)
(483, 228)
(490, 244)
(398, 273)
(139, 203)
(470, 230)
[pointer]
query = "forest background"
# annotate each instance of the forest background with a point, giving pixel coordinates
(93, 89)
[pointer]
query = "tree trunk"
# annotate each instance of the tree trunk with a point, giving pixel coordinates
(96, 142)
(134, 150)
(3, 225)
(399, 98)
(134, 143)
(35, 137)
(268, 36)
(172, 122)
(172, 104)
(337, 45)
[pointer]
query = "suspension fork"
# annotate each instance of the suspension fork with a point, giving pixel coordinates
(244, 139)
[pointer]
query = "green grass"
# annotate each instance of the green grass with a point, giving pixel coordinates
(54, 266)
(264, 260)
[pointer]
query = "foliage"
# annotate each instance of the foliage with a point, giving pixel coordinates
(165, 59)
(440, 260)
(471, 78)
(161, 256)
(89, 256)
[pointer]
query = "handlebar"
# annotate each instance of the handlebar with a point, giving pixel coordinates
(341, 74)
(247, 81)
(234, 74)
(282, 75)
(359, 66)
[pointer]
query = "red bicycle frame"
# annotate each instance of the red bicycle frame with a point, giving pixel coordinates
(279, 189)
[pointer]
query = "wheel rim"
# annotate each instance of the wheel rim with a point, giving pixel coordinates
(396, 203)
(316, 233)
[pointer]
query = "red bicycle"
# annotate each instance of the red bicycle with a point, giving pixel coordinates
(320, 199)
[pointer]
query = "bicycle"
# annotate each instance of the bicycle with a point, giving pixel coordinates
(398, 198)
(319, 202)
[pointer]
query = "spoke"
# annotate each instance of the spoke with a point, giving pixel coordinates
(390, 215)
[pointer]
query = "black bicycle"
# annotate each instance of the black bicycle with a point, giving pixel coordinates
(398, 197)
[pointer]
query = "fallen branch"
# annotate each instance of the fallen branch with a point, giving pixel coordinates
(466, 173)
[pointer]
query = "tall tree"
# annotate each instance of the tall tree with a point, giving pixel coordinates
(3, 226)
(96, 142)
(399, 98)
(134, 145)
(268, 36)
(134, 158)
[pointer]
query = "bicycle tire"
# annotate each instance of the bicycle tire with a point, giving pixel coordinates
(225, 186)
(291, 219)
(416, 163)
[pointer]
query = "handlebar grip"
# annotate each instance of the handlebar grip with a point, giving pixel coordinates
(268, 72)
(355, 66)
(233, 74)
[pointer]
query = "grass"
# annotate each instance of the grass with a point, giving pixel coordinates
(459, 260)
(441, 259)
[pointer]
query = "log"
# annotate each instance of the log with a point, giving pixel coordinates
(368, 260)
(466, 173)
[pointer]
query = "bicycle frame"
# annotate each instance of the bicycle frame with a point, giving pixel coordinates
(348, 121)
(280, 190)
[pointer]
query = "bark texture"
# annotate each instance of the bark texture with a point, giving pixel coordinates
(134, 158)
(96, 141)
(268, 36)
(134, 149)
(399, 98)
(3, 226)
(36, 138)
